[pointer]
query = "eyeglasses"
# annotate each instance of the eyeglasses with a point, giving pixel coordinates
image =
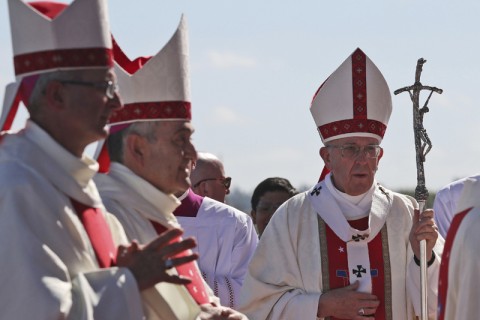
(352, 151)
(109, 87)
(225, 181)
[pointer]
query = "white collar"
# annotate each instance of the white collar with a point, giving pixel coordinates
(163, 203)
(81, 169)
(353, 207)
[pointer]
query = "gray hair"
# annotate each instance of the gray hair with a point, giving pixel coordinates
(36, 98)
(116, 142)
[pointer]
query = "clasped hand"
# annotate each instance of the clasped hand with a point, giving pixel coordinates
(423, 228)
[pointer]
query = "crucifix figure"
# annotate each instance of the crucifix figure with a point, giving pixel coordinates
(422, 141)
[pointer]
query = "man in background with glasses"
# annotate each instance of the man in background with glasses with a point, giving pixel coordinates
(347, 247)
(226, 236)
(208, 177)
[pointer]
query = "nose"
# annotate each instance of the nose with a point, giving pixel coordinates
(361, 156)
(190, 152)
(116, 102)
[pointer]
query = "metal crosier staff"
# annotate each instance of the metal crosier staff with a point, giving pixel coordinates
(422, 147)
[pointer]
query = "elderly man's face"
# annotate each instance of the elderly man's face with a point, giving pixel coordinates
(87, 107)
(352, 175)
(167, 161)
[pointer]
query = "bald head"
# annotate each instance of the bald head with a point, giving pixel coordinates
(208, 177)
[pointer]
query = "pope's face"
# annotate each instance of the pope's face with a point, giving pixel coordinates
(351, 175)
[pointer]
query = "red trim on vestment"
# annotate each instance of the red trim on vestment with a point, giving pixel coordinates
(443, 277)
(63, 58)
(196, 288)
(98, 232)
(12, 112)
(152, 111)
(338, 263)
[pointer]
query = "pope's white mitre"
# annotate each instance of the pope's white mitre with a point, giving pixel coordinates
(354, 101)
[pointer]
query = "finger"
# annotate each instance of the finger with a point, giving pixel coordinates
(424, 224)
(416, 214)
(354, 286)
(370, 304)
(183, 260)
(164, 238)
(134, 246)
(426, 228)
(178, 248)
(426, 215)
(428, 236)
(176, 279)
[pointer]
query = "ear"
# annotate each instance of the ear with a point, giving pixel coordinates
(253, 214)
(136, 150)
(380, 155)
(55, 94)
(325, 155)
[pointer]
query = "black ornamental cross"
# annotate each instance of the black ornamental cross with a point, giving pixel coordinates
(316, 191)
(358, 272)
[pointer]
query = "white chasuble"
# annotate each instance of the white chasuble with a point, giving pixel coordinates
(354, 250)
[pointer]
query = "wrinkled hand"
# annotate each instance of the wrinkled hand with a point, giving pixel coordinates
(423, 227)
(346, 302)
(210, 312)
(147, 262)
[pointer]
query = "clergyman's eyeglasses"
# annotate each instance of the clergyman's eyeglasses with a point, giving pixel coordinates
(225, 181)
(352, 151)
(109, 87)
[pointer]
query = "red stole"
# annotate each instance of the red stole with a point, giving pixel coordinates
(443, 277)
(196, 288)
(98, 232)
(338, 274)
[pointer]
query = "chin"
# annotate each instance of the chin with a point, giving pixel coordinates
(183, 186)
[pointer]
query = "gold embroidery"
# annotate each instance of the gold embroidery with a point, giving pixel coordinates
(387, 277)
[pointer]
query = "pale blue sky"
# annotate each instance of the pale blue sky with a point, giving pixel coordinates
(255, 66)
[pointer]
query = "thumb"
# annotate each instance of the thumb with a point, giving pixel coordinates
(354, 286)
(416, 215)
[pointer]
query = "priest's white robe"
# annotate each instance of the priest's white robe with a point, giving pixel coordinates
(48, 268)
(284, 280)
(136, 203)
(446, 201)
(226, 241)
(459, 287)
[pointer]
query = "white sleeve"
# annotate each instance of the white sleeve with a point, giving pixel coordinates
(444, 208)
(245, 242)
(46, 271)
